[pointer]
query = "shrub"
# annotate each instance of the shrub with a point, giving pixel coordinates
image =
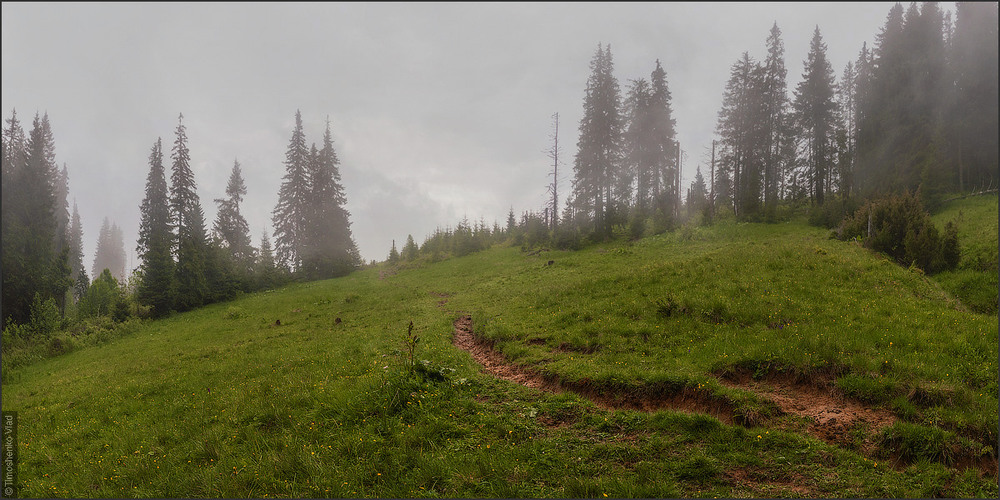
(636, 226)
(829, 215)
(45, 317)
(898, 226)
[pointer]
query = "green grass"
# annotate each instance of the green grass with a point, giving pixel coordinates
(222, 402)
(975, 281)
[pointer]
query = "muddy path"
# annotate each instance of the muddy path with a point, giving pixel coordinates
(825, 415)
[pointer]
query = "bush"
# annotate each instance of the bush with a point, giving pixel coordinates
(899, 227)
(636, 227)
(567, 238)
(45, 317)
(830, 214)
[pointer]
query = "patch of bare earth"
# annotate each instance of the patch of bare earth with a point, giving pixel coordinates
(831, 417)
(759, 484)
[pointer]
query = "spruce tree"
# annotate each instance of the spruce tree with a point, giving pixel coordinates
(110, 253)
(665, 176)
(776, 133)
(598, 158)
(230, 225)
(815, 113)
(266, 269)
(62, 209)
(31, 263)
(156, 288)
(971, 116)
(289, 215)
(697, 195)
(410, 249)
(189, 221)
(641, 156)
(743, 138)
(76, 247)
(16, 281)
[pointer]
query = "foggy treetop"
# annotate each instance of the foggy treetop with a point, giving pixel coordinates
(438, 111)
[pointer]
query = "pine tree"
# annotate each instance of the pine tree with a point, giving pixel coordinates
(846, 92)
(697, 196)
(598, 158)
(62, 209)
(157, 287)
(641, 157)
(266, 270)
(776, 133)
(189, 221)
(230, 225)
(410, 249)
(393, 253)
(330, 250)
(665, 178)
(899, 143)
(76, 246)
(110, 253)
(862, 104)
(973, 110)
(17, 282)
(743, 138)
(815, 113)
(290, 214)
(31, 263)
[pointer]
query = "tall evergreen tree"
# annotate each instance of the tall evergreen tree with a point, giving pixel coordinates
(973, 110)
(742, 133)
(410, 249)
(815, 113)
(598, 158)
(31, 263)
(290, 214)
(330, 249)
(16, 280)
(665, 177)
(76, 244)
(266, 271)
(110, 253)
(156, 289)
(61, 189)
(847, 109)
(697, 195)
(900, 144)
(641, 158)
(776, 133)
(189, 221)
(230, 225)
(864, 66)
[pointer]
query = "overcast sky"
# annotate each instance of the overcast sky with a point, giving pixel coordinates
(438, 111)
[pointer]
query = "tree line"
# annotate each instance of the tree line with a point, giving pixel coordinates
(916, 112)
(182, 265)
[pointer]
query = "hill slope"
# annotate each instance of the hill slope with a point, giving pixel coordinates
(271, 395)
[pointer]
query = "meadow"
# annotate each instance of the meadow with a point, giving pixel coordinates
(311, 391)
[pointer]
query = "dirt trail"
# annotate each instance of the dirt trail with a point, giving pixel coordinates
(830, 418)
(496, 364)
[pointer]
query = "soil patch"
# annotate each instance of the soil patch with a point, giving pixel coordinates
(832, 417)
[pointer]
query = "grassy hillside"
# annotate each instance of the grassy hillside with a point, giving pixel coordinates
(225, 401)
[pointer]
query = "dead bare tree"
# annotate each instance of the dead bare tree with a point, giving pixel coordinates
(553, 189)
